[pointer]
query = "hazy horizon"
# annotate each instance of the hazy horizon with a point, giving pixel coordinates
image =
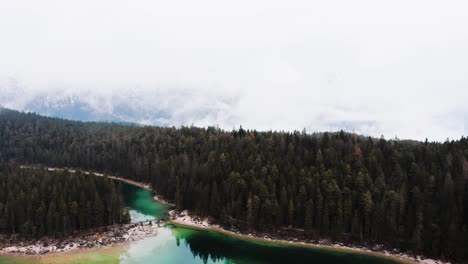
(396, 69)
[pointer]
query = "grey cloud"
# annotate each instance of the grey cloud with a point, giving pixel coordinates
(376, 68)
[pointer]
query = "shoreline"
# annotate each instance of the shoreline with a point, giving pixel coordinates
(184, 220)
(189, 222)
(145, 186)
(113, 236)
(92, 239)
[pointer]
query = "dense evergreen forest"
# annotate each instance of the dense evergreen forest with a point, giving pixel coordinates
(38, 202)
(405, 194)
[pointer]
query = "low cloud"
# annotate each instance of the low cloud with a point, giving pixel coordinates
(396, 69)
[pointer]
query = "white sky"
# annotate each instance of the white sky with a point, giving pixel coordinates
(397, 68)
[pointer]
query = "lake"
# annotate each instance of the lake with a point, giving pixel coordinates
(189, 246)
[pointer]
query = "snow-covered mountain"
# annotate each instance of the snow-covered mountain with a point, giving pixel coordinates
(144, 107)
(76, 108)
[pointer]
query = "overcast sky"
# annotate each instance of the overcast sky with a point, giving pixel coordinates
(392, 68)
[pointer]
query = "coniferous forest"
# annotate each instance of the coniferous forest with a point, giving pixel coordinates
(38, 202)
(405, 194)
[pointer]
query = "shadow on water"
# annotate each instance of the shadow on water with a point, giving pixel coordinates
(219, 248)
(141, 203)
(184, 245)
(188, 246)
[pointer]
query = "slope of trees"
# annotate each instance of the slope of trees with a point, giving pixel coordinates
(410, 195)
(37, 202)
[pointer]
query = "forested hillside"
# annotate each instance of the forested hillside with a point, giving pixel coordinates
(410, 195)
(38, 202)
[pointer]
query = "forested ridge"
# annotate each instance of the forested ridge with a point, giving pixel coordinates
(38, 202)
(405, 194)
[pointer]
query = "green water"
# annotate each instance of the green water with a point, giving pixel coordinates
(141, 203)
(182, 245)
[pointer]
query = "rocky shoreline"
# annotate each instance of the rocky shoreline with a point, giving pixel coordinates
(183, 218)
(108, 236)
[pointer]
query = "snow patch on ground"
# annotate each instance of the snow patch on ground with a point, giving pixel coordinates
(115, 235)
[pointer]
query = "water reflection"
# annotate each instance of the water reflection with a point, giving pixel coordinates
(181, 245)
(163, 248)
(187, 246)
(212, 247)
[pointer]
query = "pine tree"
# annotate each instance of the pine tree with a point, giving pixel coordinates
(376, 189)
(291, 213)
(215, 202)
(51, 219)
(308, 219)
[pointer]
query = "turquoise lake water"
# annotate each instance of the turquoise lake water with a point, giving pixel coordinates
(177, 245)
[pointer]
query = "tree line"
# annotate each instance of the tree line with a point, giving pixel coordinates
(406, 194)
(38, 202)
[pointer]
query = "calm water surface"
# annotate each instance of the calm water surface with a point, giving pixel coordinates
(181, 245)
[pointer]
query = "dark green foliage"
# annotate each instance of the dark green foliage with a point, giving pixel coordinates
(406, 194)
(37, 202)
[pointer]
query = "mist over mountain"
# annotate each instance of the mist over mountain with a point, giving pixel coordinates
(322, 122)
(272, 66)
(184, 107)
(133, 106)
(75, 108)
